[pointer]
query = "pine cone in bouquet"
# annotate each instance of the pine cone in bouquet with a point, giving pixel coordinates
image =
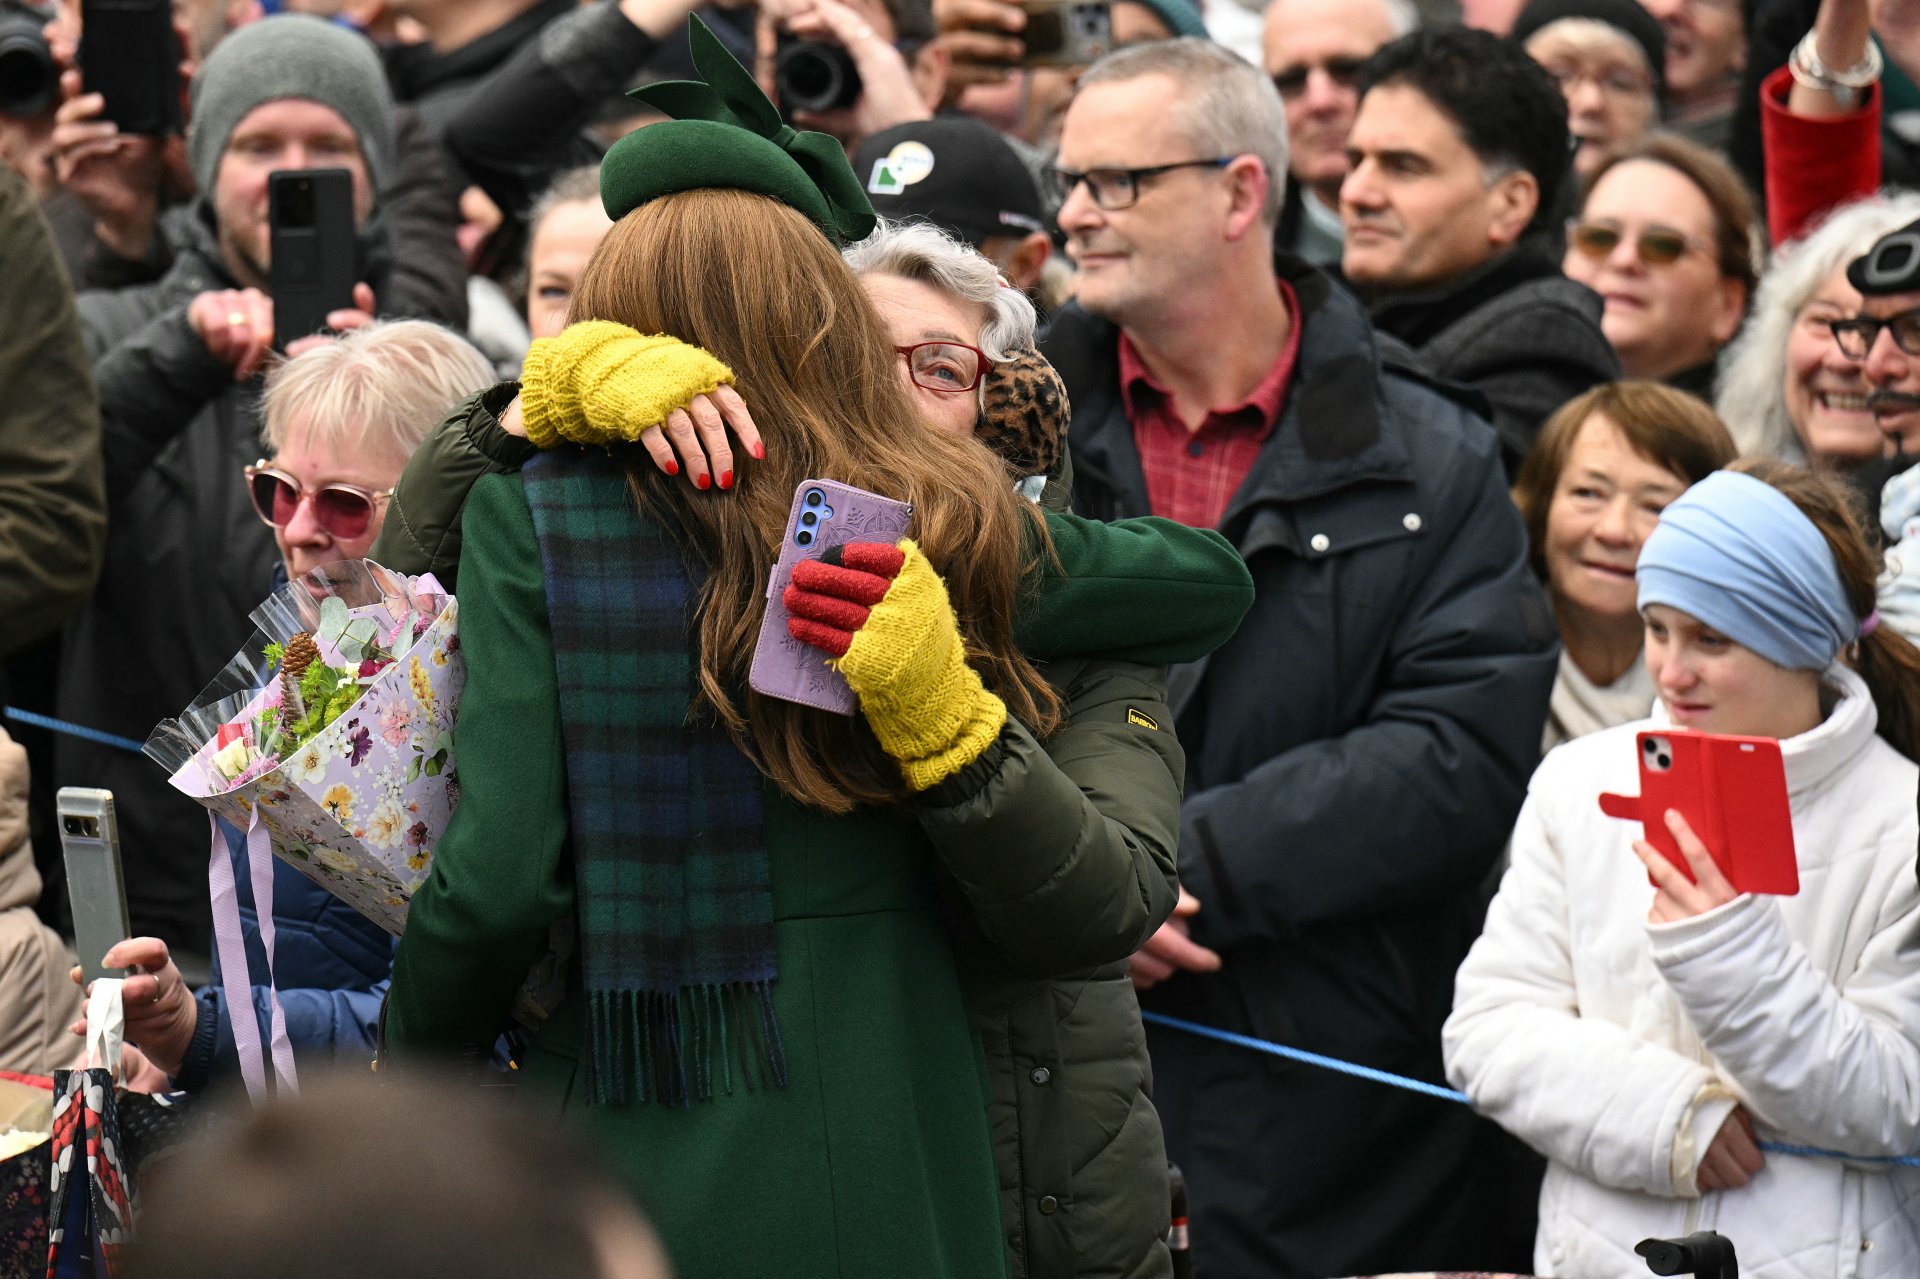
(300, 653)
(341, 746)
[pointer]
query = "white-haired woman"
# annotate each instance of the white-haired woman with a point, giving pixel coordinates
(342, 419)
(1786, 390)
(952, 316)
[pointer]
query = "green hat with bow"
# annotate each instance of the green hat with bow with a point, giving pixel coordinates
(725, 133)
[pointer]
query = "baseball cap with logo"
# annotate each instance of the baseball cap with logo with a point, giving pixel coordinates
(955, 172)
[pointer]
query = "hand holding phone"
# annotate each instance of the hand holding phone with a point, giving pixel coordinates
(1731, 790)
(90, 842)
(824, 514)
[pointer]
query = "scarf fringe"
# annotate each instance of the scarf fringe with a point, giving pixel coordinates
(665, 1046)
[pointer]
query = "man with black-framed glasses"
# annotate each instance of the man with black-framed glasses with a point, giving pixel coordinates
(1397, 646)
(1313, 49)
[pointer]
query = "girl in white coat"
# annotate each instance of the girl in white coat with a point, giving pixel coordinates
(1649, 1039)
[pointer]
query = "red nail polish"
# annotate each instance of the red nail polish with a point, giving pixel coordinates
(672, 467)
(726, 479)
(702, 482)
(759, 451)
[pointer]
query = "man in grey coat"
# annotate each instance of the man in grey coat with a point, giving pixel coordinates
(1451, 211)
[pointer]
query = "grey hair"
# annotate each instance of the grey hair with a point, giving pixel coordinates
(921, 251)
(380, 389)
(1230, 106)
(571, 187)
(1752, 397)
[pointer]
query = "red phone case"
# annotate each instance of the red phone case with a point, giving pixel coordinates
(1731, 790)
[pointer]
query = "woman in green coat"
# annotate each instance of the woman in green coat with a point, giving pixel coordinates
(765, 1003)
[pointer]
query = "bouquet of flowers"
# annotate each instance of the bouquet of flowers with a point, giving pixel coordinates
(333, 731)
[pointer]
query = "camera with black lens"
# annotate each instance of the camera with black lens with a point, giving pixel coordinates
(813, 75)
(29, 80)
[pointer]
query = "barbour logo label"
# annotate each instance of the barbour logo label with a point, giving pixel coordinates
(1141, 718)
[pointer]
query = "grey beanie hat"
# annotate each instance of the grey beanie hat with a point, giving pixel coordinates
(289, 55)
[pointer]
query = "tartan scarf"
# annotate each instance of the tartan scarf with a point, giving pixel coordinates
(674, 898)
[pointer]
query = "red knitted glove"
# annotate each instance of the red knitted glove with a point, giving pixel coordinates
(829, 599)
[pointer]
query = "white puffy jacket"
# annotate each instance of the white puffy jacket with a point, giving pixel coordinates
(1617, 1047)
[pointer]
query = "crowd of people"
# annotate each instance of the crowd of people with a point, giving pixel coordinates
(1336, 433)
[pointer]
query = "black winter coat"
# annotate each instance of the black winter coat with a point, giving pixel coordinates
(1357, 754)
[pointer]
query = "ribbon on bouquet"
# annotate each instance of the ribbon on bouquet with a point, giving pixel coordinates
(235, 979)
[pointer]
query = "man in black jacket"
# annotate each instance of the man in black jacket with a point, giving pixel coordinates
(177, 365)
(1358, 752)
(1458, 154)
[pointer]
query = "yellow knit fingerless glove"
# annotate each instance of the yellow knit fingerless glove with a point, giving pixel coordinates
(599, 383)
(908, 664)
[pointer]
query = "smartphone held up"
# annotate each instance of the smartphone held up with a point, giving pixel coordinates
(1731, 790)
(313, 268)
(824, 514)
(130, 56)
(90, 844)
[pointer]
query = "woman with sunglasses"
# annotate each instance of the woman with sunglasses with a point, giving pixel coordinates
(1665, 236)
(1650, 1040)
(342, 419)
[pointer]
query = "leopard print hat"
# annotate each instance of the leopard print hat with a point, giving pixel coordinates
(1024, 417)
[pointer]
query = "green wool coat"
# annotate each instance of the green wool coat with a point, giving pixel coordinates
(874, 1160)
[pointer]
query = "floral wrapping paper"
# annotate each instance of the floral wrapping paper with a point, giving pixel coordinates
(360, 807)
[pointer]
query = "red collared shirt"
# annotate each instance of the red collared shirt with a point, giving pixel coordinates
(1192, 475)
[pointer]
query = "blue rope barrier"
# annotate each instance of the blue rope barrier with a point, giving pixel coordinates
(1448, 1094)
(1312, 1059)
(72, 730)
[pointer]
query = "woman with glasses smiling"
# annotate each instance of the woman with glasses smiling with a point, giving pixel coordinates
(1665, 236)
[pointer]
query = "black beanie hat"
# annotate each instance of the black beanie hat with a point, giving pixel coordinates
(1626, 16)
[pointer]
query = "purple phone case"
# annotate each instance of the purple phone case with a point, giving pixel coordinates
(784, 667)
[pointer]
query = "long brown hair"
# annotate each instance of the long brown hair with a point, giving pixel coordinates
(1885, 659)
(1669, 428)
(756, 284)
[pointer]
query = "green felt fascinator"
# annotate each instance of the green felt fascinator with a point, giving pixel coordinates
(725, 133)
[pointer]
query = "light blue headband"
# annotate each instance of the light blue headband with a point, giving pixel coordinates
(1736, 553)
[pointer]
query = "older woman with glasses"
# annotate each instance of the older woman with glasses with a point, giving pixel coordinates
(1609, 59)
(1666, 236)
(342, 419)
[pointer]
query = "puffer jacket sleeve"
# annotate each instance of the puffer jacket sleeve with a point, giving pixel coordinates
(1066, 853)
(1583, 1091)
(421, 533)
(1824, 1065)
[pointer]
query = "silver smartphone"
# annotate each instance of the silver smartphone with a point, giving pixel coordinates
(90, 839)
